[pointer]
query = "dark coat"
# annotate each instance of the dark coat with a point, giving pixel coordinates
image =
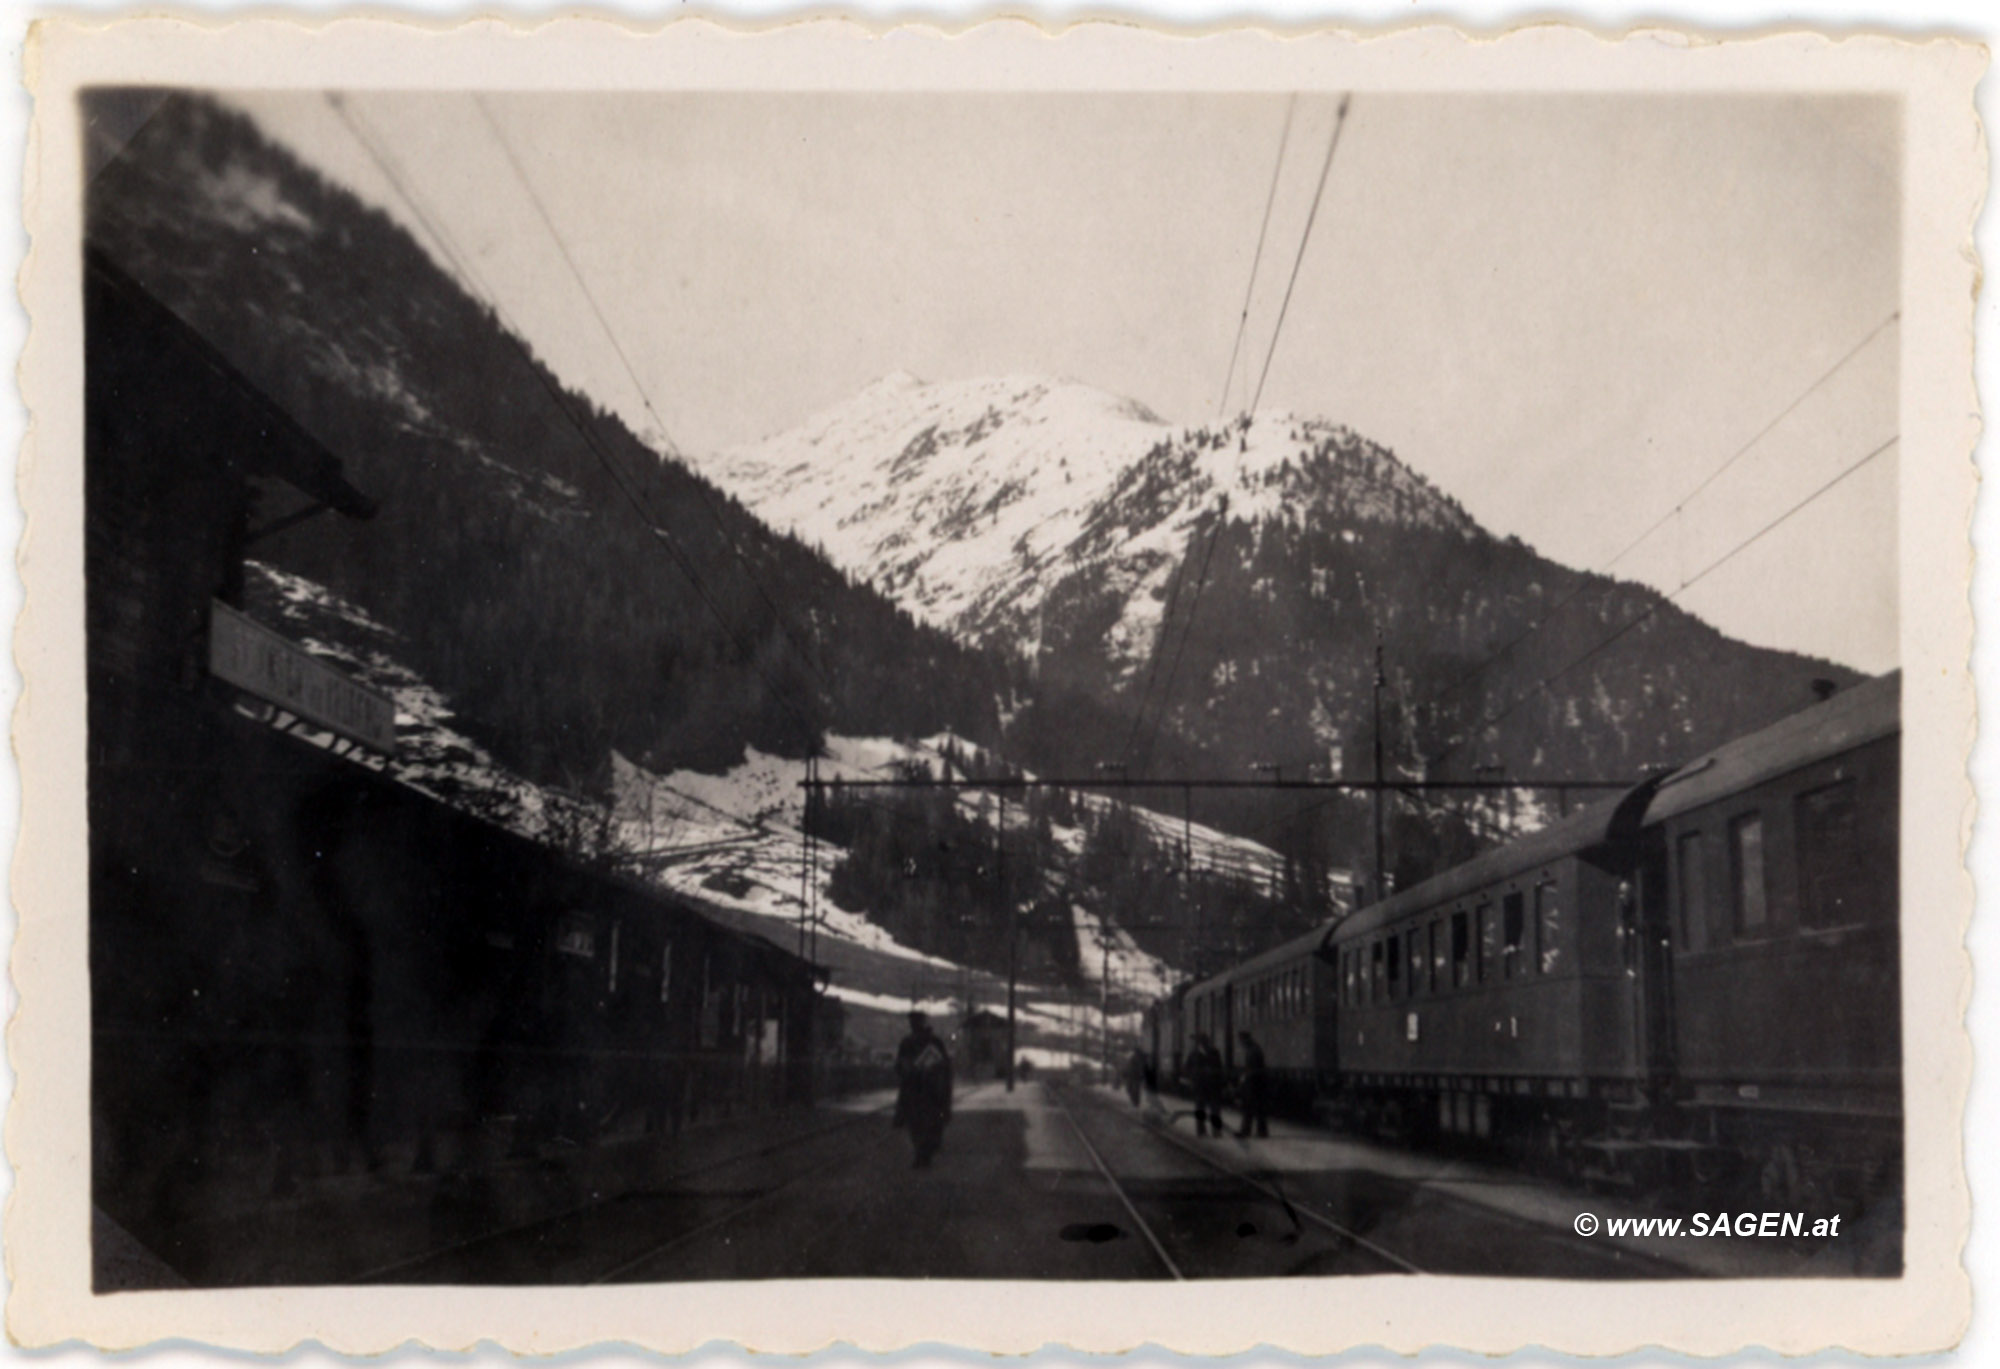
(923, 1075)
(1205, 1075)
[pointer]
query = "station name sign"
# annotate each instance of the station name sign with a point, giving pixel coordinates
(252, 657)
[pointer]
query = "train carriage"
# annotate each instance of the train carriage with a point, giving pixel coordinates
(1281, 998)
(1776, 862)
(1699, 978)
(1478, 1003)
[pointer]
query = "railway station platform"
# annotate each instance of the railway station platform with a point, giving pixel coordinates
(1053, 1180)
(358, 1223)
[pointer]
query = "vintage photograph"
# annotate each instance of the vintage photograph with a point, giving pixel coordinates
(690, 686)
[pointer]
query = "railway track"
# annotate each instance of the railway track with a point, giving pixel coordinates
(1268, 1192)
(1631, 1261)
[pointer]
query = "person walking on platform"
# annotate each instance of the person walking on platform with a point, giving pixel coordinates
(1204, 1073)
(1256, 1087)
(923, 1094)
(1135, 1074)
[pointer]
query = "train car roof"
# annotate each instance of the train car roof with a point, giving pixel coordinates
(1291, 949)
(1857, 715)
(1580, 831)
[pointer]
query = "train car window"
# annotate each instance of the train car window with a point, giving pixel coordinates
(1395, 956)
(1375, 979)
(1746, 852)
(1485, 950)
(1461, 951)
(1436, 956)
(1690, 913)
(1831, 875)
(1513, 931)
(1548, 925)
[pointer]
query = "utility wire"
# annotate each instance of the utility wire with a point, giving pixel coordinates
(1242, 324)
(1584, 583)
(1332, 145)
(1519, 699)
(656, 534)
(1222, 506)
(1257, 258)
(1713, 566)
(783, 620)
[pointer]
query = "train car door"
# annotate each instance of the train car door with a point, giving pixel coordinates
(1655, 952)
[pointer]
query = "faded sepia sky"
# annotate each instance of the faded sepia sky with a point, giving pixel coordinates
(1565, 310)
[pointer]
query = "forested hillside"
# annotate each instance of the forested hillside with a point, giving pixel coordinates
(570, 591)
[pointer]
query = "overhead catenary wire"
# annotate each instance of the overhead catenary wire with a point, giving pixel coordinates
(1257, 257)
(462, 263)
(1305, 238)
(1417, 791)
(1179, 577)
(779, 616)
(1653, 610)
(1222, 504)
(1586, 582)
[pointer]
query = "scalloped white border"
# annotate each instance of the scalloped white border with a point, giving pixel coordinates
(47, 1221)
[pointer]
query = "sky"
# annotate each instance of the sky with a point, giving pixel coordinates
(1568, 311)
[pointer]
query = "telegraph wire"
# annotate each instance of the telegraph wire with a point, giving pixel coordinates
(1179, 578)
(1257, 258)
(1653, 611)
(1685, 585)
(1222, 505)
(657, 534)
(1759, 436)
(782, 619)
(1584, 582)
(1332, 146)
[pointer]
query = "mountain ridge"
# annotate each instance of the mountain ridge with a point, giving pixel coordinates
(1220, 587)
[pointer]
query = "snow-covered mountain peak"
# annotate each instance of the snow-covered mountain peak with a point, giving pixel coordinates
(972, 501)
(943, 493)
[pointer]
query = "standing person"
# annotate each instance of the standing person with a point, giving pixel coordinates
(1204, 1069)
(923, 1095)
(1256, 1087)
(1135, 1074)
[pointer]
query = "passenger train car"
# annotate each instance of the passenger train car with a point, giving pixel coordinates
(1699, 978)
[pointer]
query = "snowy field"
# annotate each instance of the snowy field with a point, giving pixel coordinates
(732, 843)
